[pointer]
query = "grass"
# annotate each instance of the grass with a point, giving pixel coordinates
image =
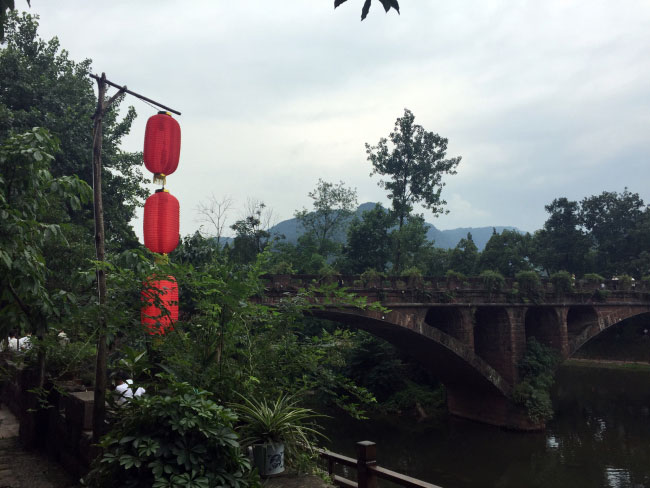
(607, 364)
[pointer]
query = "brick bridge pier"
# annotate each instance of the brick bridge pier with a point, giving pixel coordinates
(472, 339)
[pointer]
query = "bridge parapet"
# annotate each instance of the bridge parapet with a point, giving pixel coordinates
(395, 290)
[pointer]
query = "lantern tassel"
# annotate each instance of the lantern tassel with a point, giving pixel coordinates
(161, 258)
(160, 178)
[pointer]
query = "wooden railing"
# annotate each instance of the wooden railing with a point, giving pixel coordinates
(367, 470)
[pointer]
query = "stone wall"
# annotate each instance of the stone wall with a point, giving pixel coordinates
(60, 424)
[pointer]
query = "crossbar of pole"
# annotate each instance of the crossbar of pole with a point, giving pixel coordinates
(142, 97)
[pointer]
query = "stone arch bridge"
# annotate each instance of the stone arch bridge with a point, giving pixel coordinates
(471, 338)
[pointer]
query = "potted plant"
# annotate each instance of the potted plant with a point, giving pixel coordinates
(273, 428)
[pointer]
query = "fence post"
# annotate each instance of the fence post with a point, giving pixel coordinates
(366, 456)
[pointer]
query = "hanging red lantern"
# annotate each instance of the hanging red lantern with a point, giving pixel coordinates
(161, 222)
(159, 305)
(162, 145)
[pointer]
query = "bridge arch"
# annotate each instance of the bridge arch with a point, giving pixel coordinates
(605, 320)
(455, 364)
(449, 320)
(492, 339)
(544, 325)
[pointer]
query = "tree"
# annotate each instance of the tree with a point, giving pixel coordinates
(42, 87)
(214, 212)
(29, 198)
(252, 232)
(464, 257)
(508, 253)
(368, 244)
(612, 220)
(561, 244)
(333, 205)
(414, 165)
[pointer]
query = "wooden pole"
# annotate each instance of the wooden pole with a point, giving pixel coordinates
(99, 409)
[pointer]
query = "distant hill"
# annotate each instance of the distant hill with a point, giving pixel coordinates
(446, 239)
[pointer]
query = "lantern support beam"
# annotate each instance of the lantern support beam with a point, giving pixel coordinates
(101, 377)
(123, 89)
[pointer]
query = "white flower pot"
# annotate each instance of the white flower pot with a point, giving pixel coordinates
(269, 458)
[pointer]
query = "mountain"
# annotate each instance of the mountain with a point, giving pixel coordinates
(446, 239)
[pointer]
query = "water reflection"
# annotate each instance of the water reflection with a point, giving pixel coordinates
(600, 438)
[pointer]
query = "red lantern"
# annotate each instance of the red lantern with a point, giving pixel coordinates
(159, 305)
(162, 145)
(161, 222)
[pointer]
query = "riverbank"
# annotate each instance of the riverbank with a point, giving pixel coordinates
(607, 364)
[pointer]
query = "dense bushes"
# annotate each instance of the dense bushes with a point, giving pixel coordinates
(178, 437)
(536, 372)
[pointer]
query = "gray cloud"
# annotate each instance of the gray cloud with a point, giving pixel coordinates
(542, 99)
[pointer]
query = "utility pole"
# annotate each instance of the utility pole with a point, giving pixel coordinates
(99, 409)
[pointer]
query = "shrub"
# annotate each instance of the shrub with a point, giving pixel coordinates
(493, 281)
(562, 282)
(414, 277)
(625, 282)
(181, 438)
(282, 268)
(536, 370)
(371, 277)
(455, 276)
(593, 279)
(530, 286)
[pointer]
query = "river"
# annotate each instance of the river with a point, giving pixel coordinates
(599, 438)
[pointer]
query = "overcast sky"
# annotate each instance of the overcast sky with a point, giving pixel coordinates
(541, 99)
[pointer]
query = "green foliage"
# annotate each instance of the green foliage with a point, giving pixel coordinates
(251, 234)
(175, 437)
(454, 276)
(562, 244)
(368, 243)
(562, 282)
(416, 399)
(464, 257)
(414, 165)
(593, 279)
(414, 277)
(625, 282)
(536, 371)
(618, 228)
(507, 252)
(42, 87)
(281, 420)
(529, 284)
(372, 277)
(333, 206)
(493, 281)
(28, 193)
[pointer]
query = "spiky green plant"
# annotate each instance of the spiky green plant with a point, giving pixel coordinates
(281, 420)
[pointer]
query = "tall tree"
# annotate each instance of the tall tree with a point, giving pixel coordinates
(30, 203)
(561, 244)
(368, 244)
(333, 205)
(252, 232)
(508, 253)
(612, 219)
(414, 165)
(464, 257)
(42, 87)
